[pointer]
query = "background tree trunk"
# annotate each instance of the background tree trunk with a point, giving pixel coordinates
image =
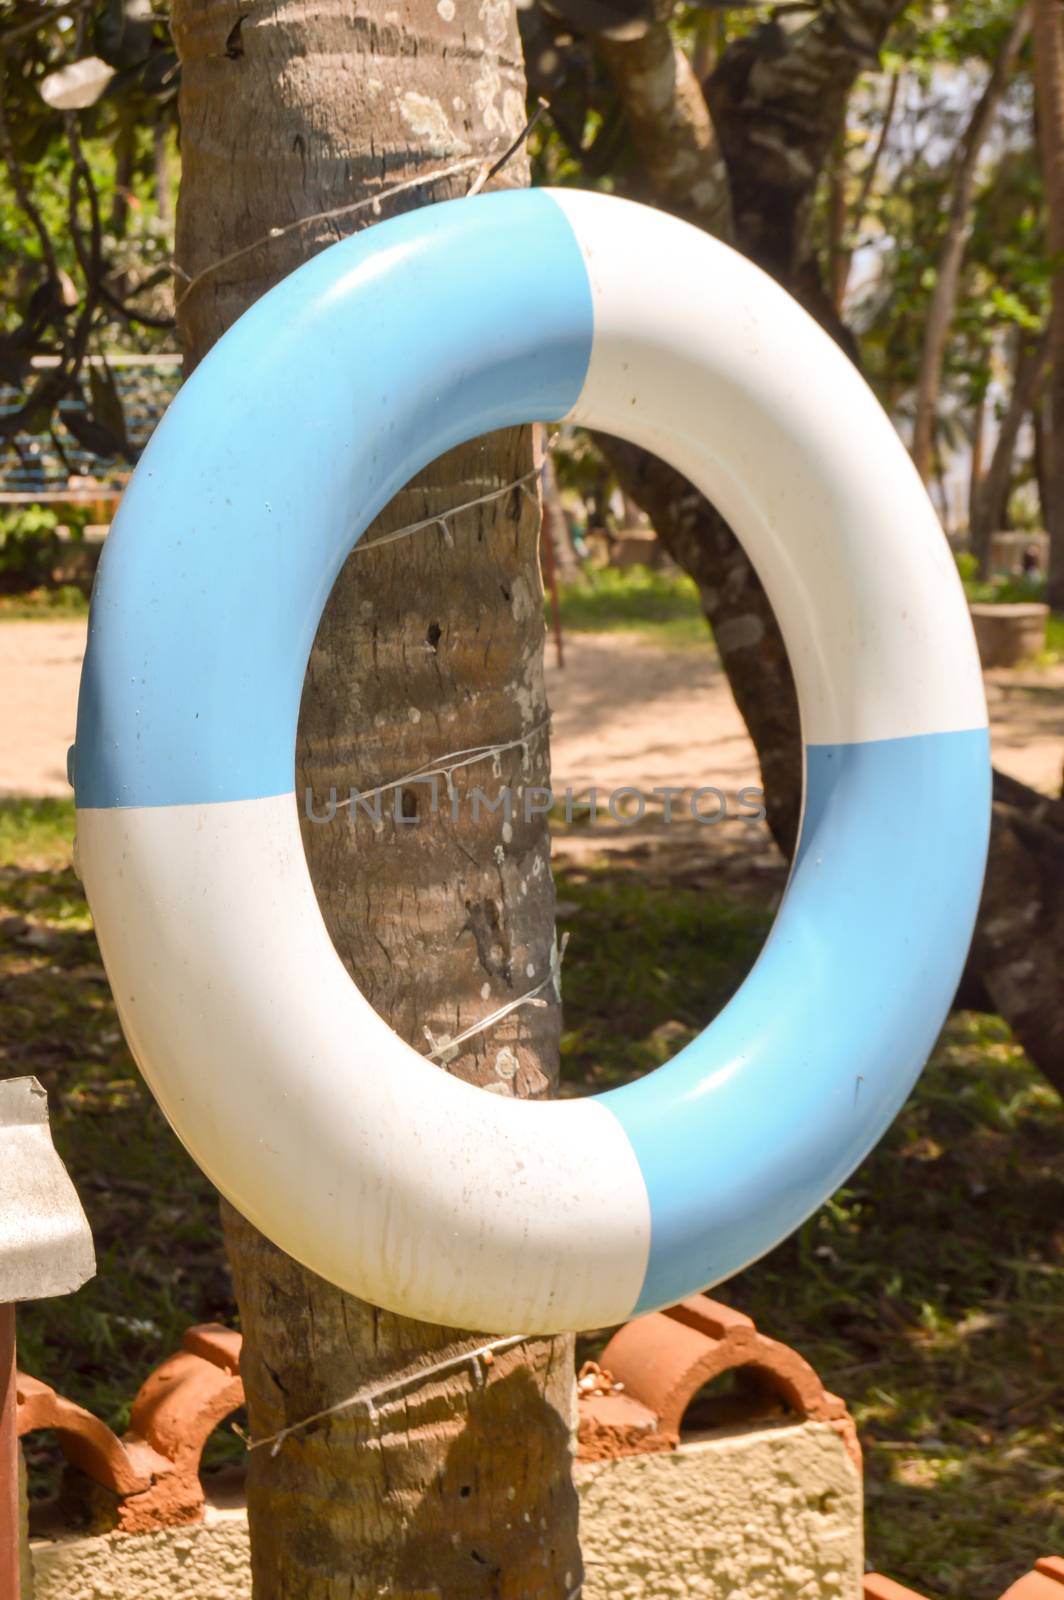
(1049, 78)
(427, 646)
(778, 98)
(951, 256)
(737, 609)
(1016, 957)
(556, 527)
(670, 124)
(991, 493)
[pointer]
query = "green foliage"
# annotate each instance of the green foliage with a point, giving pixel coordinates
(29, 549)
(929, 1292)
(1055, 637)
(36, 833)
(46, 604)
(84, 240)
(647, 969)
(956, 34)
(153, 1215)
(28, 542)
(893, 233)
(943, 54)
(661, 607)
(1004, 590)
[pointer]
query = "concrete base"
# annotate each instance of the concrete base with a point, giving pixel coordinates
(761, 1513)
(209, 1561)
(1010, 633)
(636, 547)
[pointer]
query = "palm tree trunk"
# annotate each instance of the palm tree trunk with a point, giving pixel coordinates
(1049, 75)
(954, 243)
(461, 1488)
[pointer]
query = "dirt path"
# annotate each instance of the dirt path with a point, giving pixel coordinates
(625, 713)
(40, 663)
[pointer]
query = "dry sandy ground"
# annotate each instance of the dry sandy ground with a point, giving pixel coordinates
(39, 667)
(625, 712)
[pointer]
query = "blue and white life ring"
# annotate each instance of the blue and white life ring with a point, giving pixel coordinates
(382, 1173)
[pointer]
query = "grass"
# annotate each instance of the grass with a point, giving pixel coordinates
(1055, 636)
(645, 971)
(35, 833)
(929, 1291)
(44, 605)
(664, 609)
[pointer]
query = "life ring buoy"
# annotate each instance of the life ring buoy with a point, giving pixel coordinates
(340, 1142)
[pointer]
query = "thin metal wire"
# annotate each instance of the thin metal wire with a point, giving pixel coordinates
(441, 519)
(529, 999)
(370, 1395)
(443, 766)
(487, 171)
(507, 155)
(366, 203)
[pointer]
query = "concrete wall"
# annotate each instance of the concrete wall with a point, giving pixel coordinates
(208, 1561)
(755, 1513)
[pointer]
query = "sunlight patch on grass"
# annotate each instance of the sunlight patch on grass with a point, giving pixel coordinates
(44, 605)
(36, 832)
(662, 608)
(1055, 637)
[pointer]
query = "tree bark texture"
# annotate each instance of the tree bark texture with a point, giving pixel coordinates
(1049, 80)
(671, 125)
(778, 100)
(429, 645)
(943, 303)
